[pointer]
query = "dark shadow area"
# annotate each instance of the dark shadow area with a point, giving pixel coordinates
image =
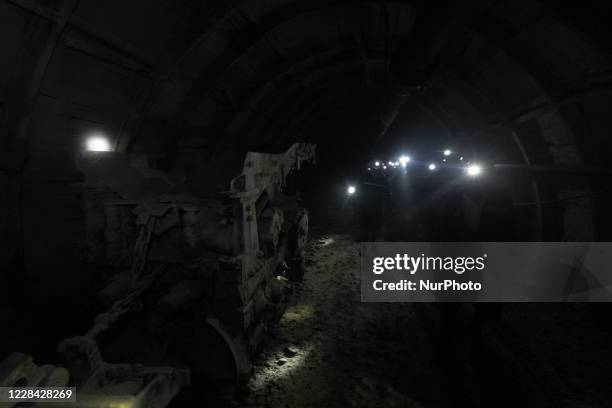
(185, 188)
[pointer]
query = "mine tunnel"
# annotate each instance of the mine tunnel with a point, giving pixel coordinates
(187, 187)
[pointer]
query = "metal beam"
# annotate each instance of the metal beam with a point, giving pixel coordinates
(598, 171)
(32, 90)
(35, 7)
(575, 96)
(289, 68)
(283, 112)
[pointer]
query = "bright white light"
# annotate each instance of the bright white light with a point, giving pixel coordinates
(351, 190)
(432, 166)
(390, 163)
(474, 170)
(444, 160)
(98, 144)
(385, 167)
(369, 169)
(377, 163)
(404, 160)
(447, 152)
(461, 158)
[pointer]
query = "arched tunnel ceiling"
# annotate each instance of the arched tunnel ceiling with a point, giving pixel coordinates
(166, 76)
(187, 87)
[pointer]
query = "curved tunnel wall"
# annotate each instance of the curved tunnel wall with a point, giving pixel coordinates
(196, 84)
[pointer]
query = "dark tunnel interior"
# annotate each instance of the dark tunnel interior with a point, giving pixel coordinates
(185, 187)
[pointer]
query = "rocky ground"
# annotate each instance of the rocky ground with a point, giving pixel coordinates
(331, 350)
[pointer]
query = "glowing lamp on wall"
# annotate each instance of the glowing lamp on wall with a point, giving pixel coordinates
(98, 143)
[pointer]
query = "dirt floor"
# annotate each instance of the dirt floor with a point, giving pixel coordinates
(331, 350)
